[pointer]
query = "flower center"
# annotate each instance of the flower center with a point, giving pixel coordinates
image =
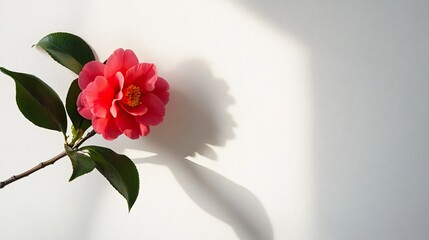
(133, 94)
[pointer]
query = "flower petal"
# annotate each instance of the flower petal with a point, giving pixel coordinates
(106, 127)
(128, 125)
(155, 113)
(144, 129)
(161, 90)
(120, 61)
(119, 84)
(83, 108)
(143, 75)
(89, 72)
(99, 96)
(134, 111)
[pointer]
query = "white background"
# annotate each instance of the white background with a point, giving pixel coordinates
(288, 120)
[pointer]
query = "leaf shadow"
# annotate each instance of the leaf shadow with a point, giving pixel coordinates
(197, 119)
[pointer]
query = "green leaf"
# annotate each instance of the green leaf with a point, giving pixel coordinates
(81, 163)
(38, 102)
(67, 49)
(78, 121)
(118, 169)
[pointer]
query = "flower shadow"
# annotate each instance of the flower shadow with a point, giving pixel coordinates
(197, 119)
(196, 114)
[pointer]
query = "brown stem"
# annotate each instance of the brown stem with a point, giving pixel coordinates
(32, 170)
(90, 134)
(44, 164)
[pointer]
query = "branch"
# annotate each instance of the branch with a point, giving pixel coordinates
(46, 163)
(32, 170)
(89, 135)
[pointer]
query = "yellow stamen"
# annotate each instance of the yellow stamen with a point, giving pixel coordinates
(133, 94)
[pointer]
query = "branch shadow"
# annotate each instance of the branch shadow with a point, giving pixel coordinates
(197, 120)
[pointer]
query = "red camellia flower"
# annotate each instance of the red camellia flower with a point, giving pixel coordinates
(122, 96)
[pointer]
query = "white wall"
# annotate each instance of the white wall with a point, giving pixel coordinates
(287, 120)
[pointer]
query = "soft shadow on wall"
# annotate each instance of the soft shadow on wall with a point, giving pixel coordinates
(197, 118)
(370, 84)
